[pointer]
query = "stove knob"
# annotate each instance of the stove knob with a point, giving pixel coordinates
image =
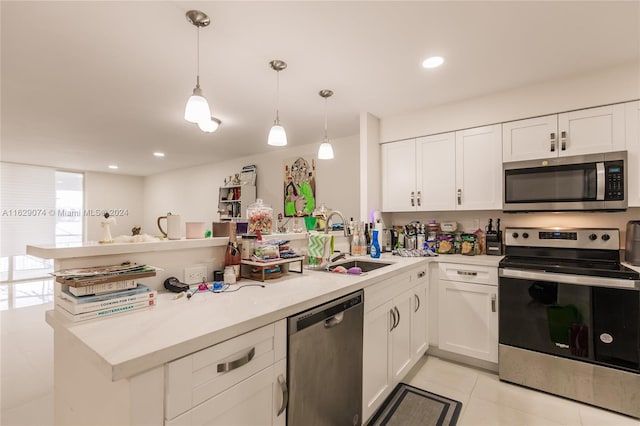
(593, 237)
(515, 235)
(605, 237)
(525, 235)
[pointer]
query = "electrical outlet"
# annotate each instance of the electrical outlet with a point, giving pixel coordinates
(195, 274)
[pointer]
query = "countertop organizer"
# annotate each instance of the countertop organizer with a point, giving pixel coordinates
(246, 267)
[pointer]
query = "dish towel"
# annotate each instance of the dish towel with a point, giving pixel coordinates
(319, 247)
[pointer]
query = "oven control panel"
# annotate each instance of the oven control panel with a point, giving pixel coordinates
(600, 238)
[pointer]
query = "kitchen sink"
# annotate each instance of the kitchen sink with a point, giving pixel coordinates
(365, 265)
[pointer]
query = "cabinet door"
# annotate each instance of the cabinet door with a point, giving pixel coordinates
(248, 403)
(591, 131)
(479, 168)
(419, 326)
(398, 176)
(632, 121)
(376, 358)
(401, 336)
(468, 319)
(530, 139)
(435, 172)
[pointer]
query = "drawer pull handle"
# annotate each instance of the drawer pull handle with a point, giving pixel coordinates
(417, 302)
(459, 196)
(468, 273)
(392, 317)
(232, 365)
(285, 394)
(419, 196)
(493, 303)
(563, 140)
(553, 142)
(398, 312)
(413, 202)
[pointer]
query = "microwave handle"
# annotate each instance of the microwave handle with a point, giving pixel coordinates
(600, 181)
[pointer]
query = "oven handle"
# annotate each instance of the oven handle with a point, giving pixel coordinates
(569, 278)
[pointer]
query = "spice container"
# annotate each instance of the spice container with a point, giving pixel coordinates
(260, 217)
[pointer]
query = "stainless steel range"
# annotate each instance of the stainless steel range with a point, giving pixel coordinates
(569, 316)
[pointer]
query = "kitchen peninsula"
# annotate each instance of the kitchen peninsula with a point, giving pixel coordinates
(115, 370)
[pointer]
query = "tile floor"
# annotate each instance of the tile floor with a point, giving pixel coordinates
(26, 373)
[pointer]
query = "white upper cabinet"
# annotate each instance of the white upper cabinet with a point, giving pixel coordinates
(399, 176)
(435, 156)
(585, 131)
(479, 168)
(449, 171)
(632, 121)
(530, 139)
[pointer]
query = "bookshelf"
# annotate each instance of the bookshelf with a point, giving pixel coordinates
(233, 201)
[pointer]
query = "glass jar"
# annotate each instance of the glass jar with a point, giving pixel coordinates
(260, 217)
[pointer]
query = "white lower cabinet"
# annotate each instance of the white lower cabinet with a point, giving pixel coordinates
(395, 334)
(241, 381)
(468, 310)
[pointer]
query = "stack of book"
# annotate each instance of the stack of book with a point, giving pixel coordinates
(97, 292)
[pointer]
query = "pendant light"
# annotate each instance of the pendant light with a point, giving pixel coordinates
(326, 150)
(197, 109)
(210, 125)
(277, 135)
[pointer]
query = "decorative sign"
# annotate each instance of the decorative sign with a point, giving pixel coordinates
(299, 186)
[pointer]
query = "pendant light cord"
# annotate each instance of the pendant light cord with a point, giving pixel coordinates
(325, 120)
(277, 97)
(198, 57)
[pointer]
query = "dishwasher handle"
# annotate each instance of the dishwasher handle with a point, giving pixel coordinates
(334, 320)
(330, 314)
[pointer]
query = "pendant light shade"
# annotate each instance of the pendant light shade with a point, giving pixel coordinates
(277, 134)
(325, 152)
(197, 109)
(210, 125)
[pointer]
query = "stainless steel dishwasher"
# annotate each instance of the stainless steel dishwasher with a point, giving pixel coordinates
(325, 364)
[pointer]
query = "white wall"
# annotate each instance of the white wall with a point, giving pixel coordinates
(193, 192)
(120, 194)
(370, 181)
(617, 84)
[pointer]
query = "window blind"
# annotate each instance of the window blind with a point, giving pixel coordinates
(27, 207)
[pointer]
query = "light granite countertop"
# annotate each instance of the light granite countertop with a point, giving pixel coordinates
(125, 345)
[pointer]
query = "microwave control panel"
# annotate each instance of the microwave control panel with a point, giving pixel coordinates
(614, 180)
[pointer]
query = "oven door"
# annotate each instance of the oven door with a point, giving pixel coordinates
(598, 324)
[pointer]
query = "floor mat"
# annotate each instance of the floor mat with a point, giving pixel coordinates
(409, 406)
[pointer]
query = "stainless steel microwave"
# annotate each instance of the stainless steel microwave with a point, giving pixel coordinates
(582, 182)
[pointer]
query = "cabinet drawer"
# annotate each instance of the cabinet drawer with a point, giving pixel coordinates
(468, 273)
(197, 377)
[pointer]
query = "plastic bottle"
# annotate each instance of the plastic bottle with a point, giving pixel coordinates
(375, 245)
(355, 241)
(363, 241)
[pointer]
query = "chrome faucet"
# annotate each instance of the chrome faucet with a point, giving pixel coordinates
(329, 216)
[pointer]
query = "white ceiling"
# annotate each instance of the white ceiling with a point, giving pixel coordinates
(88, 83)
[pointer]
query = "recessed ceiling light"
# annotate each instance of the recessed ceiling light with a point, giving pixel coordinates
(159, 154)
(433, 62)
(113, 166)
